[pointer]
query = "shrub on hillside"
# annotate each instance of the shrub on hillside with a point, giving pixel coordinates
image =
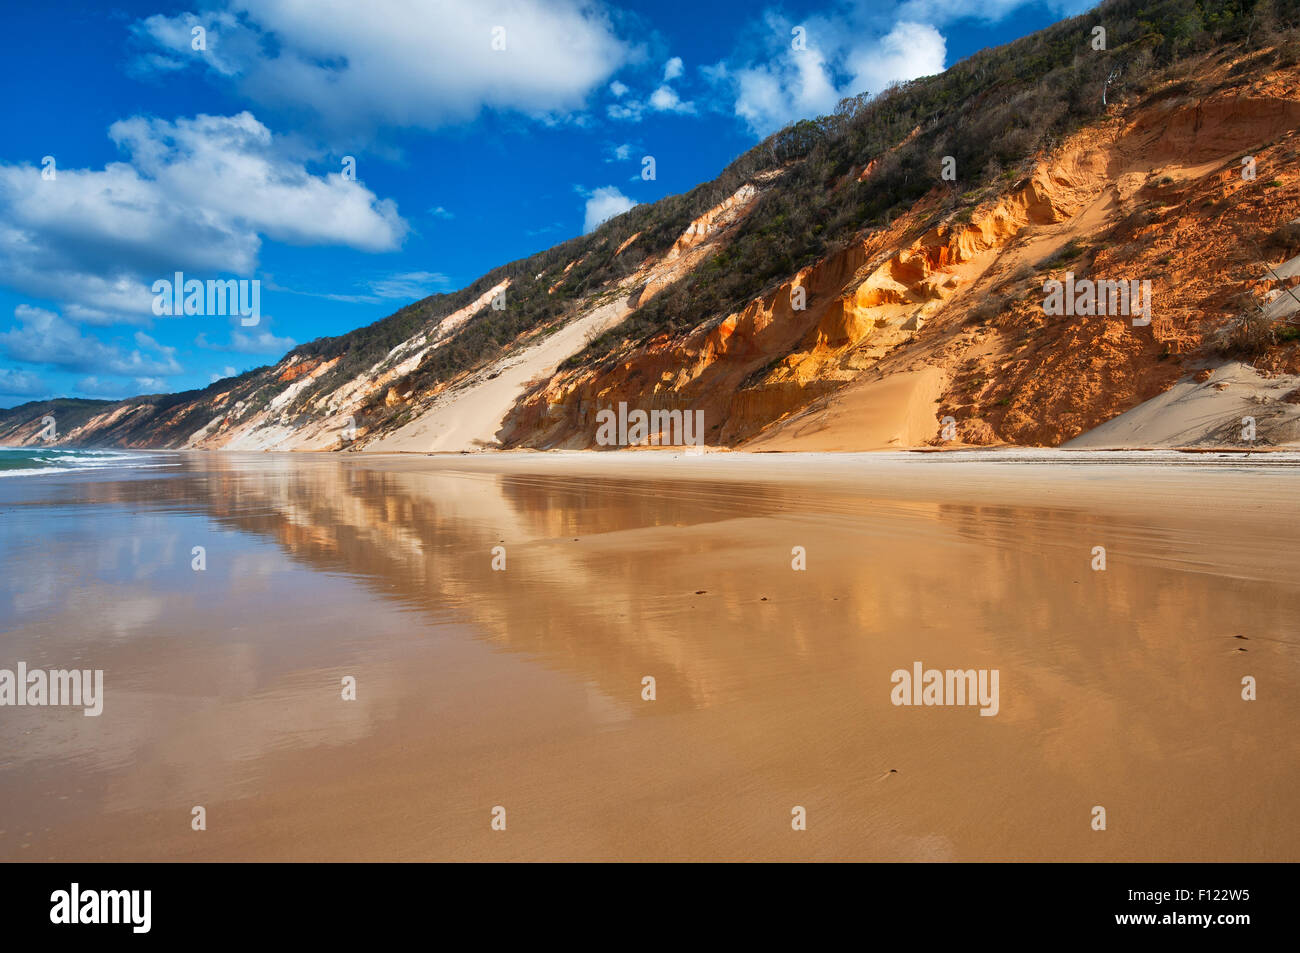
(1284, 241)
(1245, 336)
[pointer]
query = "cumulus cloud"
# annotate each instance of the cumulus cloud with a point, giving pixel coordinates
(44, 337)
(845, 52)
(400, 63)
(602, 205)
(906, 51)
(662, 99)
(197, 195)
(665, 99)
(224, 165)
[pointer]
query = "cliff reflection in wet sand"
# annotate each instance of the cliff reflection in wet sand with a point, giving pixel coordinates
(523, 687)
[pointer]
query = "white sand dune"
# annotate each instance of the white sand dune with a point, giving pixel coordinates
(1286, 301)
(468, 417)
(1207, 413)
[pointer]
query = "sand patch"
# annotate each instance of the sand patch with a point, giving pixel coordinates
(886, 414)
(1206, 413)
(469, 417)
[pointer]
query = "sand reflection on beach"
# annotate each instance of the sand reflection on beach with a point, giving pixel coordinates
(522, 687)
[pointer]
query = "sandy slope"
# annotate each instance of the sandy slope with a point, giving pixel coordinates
(1209, 412)
(469, 417)
(887, 414)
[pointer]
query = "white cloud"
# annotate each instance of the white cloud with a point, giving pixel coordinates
(225, 165)
(97, 388)
(440, 212)
(665, 99)
(602, 205)
(412, 285)
(939, 12)
(630, 111)
(20, 383)
(845, 54)
(197, 196)
(403, 63)
(156, 63)
(44, 337)
(175, 35)
(907, 51)
(772, 95)
(261, 341)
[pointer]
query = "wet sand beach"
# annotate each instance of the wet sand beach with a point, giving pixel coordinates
(522, 687)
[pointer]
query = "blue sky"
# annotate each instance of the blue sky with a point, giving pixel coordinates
(227, 160)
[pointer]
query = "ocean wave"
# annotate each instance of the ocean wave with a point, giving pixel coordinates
(33, 471)
(33, 461)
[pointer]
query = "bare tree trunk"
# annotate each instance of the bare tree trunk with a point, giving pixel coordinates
(1110, 79)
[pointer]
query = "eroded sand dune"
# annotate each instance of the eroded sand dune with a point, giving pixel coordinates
(1230, 406)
